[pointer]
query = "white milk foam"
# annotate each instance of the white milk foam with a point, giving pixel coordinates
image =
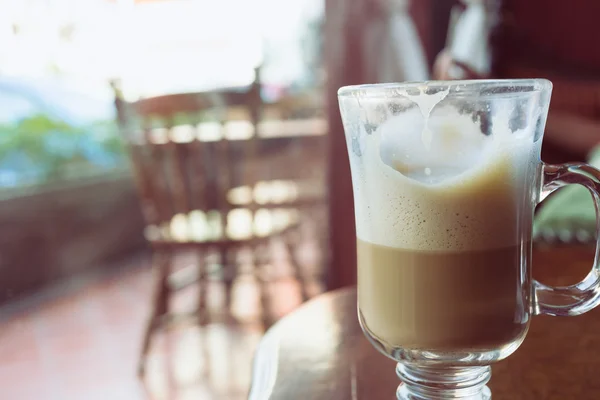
(461, 190)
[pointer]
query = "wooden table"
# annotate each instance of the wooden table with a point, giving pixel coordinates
(319, 352)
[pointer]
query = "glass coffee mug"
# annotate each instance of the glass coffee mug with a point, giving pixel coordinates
(446, 177)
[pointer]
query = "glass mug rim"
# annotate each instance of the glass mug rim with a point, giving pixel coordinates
(462, 88)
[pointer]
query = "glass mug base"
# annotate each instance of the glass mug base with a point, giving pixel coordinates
(432, 375)
(438, 383)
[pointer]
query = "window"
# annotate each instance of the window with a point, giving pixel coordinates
(49, 132)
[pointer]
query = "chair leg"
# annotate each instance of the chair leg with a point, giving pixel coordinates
(259, 261)
(203, 277)
(160, 266)
(228, 264)
(290, 243)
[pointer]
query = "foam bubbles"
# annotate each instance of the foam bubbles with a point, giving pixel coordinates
(464, 192)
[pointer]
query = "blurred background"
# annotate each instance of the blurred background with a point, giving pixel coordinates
(174, 177)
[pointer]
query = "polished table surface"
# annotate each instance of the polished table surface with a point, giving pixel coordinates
(318, 352)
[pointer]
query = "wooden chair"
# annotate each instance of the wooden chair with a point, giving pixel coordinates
(193, 180)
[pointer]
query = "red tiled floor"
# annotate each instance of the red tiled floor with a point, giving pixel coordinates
(18, 342)
(26, 380)
(73, 340)
(80, 340)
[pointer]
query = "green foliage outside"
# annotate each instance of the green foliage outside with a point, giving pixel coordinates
(40, 149)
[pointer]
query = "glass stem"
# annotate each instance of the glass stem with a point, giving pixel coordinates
(437, 383)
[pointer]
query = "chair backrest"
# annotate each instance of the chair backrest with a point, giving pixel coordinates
(181, 154)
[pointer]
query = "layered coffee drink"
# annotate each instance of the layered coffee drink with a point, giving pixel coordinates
(442, 224)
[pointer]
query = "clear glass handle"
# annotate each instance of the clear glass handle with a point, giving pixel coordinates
(585, 295)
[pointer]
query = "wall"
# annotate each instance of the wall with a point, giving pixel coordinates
(53, 232)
